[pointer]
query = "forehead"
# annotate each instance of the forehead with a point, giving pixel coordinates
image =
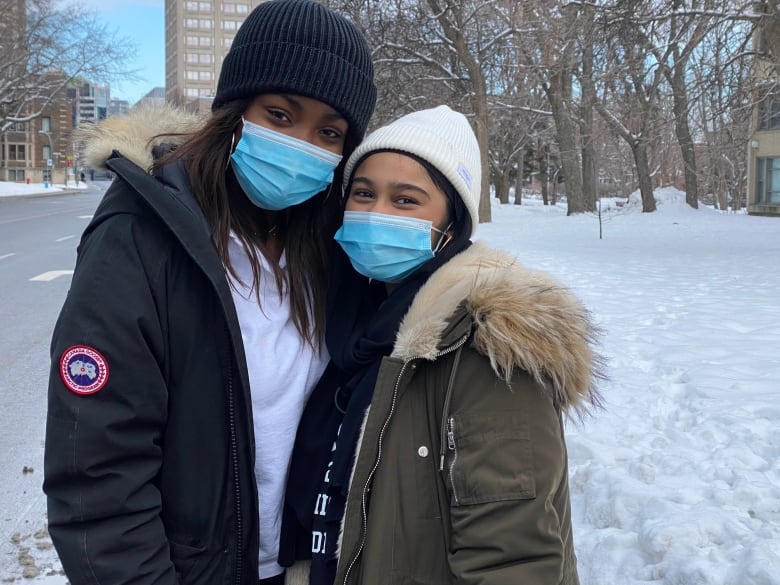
(396, 164)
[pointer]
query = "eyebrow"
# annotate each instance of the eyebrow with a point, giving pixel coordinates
(298, 106)
(395, 185)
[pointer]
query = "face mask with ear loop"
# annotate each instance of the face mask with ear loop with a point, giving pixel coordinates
(277, 171)
(388, 248)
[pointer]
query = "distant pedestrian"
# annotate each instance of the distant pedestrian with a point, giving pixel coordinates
(82, 176)
(192, 333)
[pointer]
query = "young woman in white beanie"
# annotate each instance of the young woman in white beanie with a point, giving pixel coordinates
(453, 366)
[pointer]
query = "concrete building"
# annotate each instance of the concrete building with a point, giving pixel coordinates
(90, 102)
(117, 107)
(763, 176)
(40, 150)
(154, 98)
(198, 35)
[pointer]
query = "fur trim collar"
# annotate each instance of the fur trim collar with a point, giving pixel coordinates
(136, 133)
(521, 318)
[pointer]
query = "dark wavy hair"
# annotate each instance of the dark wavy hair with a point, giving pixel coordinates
(308, 229)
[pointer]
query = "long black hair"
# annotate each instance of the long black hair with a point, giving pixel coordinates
(307, 230)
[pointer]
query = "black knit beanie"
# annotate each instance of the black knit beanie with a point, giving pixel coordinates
(301, 47)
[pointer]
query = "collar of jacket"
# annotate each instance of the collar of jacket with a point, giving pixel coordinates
(136, 133)
(521, 318)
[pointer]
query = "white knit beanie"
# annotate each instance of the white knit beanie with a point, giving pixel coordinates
(440, 136)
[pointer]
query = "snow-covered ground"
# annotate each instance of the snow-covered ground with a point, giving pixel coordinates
(9, 189)
(676, 481)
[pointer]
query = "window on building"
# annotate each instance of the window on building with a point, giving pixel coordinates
(769, 111)
(191, 92)
(227, 41)
(17, 152)
(205, 75)
(205, 41)
(191, 23)
(192, 41)
(205, 23)
(205, 58)
(46, 124)
(228, 8)
(242, 8)
(18, 127)
(16, 175)
(768, 183)
(191, 57)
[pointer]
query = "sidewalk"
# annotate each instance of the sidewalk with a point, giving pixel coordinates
(8, 189)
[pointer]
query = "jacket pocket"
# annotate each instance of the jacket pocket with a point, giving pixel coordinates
(184, 558)
(489, 458)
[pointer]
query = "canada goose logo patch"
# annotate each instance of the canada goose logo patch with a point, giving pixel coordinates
(83, 370)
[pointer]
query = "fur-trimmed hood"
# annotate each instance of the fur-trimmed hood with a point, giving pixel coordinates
(136, 133)
(522, 319)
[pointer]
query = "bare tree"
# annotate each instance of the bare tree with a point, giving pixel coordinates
(549, 42)
(438, 51)
(44, 46)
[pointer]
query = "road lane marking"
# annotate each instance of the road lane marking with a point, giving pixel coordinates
(4, 256)
(51, 275)
(64, 238)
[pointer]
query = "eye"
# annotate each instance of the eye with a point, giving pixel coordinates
(278, 115)
(332, 133)
(361, 194)
(405, 201)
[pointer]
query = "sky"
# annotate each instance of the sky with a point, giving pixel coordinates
(143, 22)
(676, 480)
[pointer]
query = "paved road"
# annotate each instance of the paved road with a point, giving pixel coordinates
(38, 239)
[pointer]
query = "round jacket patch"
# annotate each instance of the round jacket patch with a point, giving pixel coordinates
(83, 369)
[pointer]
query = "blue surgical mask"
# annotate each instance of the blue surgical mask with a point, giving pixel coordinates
(385, 247)
(277, 171)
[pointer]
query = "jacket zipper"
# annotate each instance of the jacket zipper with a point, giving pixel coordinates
(236, 475)
(366, 487)
(447, 400)
(452, 447)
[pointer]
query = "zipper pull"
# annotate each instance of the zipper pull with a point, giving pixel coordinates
(451, 434)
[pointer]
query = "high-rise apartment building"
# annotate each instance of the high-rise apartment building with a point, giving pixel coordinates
(90, 102)
(198, 35)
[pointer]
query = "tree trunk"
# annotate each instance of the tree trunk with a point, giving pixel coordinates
(559, 93)
(544, 170)
(684, 138)
(479, 103)
(519, 189)
(639, 150)
(590, 181)
(501, 183)
(566, 132)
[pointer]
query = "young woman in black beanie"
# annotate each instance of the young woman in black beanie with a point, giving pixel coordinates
(192, 334)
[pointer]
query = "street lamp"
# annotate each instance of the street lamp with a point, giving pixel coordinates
(48, 177)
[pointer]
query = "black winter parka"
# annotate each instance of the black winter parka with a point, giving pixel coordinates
(150, 479)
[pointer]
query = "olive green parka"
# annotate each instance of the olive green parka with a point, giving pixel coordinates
(461, 470)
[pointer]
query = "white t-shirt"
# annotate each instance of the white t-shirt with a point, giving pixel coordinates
(283, 370)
